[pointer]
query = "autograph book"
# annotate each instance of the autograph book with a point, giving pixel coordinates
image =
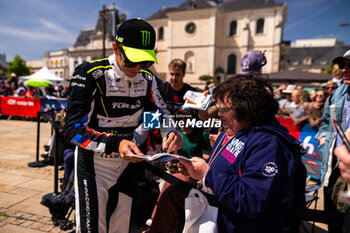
(160, 157)
(197, 100)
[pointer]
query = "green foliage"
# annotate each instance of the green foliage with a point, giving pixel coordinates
(329, 69)
(18, 66)
(206, 78)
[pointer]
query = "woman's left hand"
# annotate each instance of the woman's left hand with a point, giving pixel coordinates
(197, 168)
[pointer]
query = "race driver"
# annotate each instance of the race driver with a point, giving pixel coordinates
(107, 100)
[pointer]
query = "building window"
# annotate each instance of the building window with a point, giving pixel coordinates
(231, 64)
(233, 28)
(323, 62)
(75, 63)
(190, 62)
(307, 61)
(161, 33)
(260, 26)
(190, 28)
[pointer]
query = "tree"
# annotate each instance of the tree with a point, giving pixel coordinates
(329, 69)
(205, 78)
(18, 66)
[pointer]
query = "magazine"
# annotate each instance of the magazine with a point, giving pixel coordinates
(160, 157)
(197, 100)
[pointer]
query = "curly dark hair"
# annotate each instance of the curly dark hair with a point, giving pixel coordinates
(250, 96)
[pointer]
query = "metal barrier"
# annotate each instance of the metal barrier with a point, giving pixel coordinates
(39, 117)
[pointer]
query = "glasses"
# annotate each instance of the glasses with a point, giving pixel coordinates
(320, 96)
(130, 64)
(222, 110)
(343, 65)
(332, 88)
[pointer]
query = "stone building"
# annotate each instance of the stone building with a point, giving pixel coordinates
(3, 66)
(313, 55)
(211, 36)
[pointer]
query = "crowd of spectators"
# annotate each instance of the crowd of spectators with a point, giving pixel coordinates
(13, 86)
(303, 105)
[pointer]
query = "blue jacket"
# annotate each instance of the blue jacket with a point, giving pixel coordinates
(327, 130)
(253, 176)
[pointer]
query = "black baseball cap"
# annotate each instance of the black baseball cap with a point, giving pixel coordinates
(344, 58)
(138, 39)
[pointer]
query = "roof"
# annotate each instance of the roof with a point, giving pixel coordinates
(293, 76)
(112, 20)
(224, 6)
(319, 55)
(239, 5)
(84, 37)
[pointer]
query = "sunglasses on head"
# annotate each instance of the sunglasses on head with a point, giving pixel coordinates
(343, 65)
(128, 63)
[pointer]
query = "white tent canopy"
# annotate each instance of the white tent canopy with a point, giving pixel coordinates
(44, 73)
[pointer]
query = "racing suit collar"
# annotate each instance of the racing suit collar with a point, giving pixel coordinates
(116, 70)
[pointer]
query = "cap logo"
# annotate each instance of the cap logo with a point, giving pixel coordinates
(120, 39)
(146, 38)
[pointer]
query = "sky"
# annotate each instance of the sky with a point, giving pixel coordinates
(30, 28)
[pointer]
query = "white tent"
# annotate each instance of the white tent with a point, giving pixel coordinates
(44, 73)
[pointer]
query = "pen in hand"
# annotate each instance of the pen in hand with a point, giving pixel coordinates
(342, 135)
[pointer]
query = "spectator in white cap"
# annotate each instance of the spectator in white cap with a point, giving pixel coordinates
(253, 61)
(285, 102)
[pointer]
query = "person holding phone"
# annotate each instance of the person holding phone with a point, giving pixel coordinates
(343, 154)
(337, 106)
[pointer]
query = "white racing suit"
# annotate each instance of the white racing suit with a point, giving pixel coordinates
(104, 107)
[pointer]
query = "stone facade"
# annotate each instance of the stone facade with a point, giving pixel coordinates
(211, 36)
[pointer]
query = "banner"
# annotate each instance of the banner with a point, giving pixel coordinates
(306, 134)
(57, 104)
(19, 106)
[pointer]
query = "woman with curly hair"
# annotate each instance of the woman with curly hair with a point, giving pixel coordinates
(254, 164)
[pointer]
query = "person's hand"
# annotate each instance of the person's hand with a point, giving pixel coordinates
(347, 134)
(126, 148)
(344, 164)
(197, 168)
(280, 88)
(321, 141)
(172, 142)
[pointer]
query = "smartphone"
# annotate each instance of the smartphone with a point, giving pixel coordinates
(172, 165)
(342, 134)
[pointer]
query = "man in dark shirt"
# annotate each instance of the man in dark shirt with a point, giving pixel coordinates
(174, 90)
